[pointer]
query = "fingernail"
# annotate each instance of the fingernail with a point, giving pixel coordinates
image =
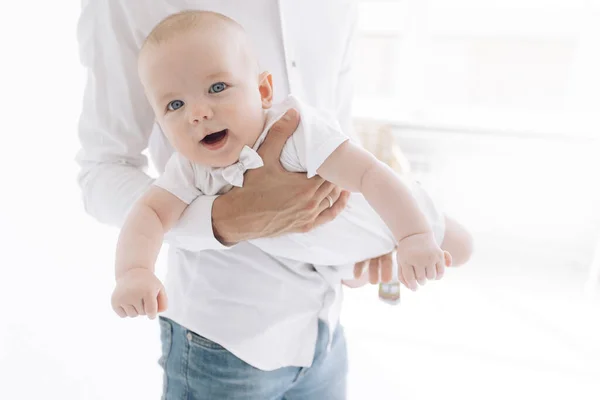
(288, 115)
(291, 113)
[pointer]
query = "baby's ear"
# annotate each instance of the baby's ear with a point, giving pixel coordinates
(265, 87)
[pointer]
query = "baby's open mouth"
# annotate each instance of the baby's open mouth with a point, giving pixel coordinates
(214, 138)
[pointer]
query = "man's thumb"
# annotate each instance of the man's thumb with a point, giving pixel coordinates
(279, 133)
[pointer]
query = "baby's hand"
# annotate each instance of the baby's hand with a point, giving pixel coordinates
(420, 258)
(139, 292)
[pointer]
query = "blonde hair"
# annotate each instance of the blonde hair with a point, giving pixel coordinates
(187, 21)
(191, 20)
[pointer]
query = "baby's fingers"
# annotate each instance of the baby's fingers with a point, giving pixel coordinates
(421, 275)
(161, 298)
(130, 310)
(120, 306)
(447, 259)
(440, 269)
(120, 311)
(401, 278)
(150, 305)
(408, 273)
(430, 272)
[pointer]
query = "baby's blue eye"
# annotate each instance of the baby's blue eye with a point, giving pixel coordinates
(175, 104)
(217, 87)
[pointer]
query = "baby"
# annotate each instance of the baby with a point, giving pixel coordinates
(215, 106)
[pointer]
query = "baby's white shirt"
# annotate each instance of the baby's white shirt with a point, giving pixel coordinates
(356, 234)
(317, 136)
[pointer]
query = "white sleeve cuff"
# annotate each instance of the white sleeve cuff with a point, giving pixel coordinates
(194, 231)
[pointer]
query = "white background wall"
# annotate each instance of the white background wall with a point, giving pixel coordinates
(512, 324)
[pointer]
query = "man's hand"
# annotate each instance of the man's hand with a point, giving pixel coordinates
(274, 201)
(380, 270)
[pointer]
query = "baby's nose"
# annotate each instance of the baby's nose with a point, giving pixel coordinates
(200, 112)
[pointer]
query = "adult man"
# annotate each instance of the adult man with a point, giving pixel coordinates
(254, 326)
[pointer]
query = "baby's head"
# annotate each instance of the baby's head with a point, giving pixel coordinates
(203, 81)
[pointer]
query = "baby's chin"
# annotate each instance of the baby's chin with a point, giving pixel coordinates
(222, 162)
(217, 159)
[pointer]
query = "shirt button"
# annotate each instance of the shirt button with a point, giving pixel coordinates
(293, 64)
(188, 336)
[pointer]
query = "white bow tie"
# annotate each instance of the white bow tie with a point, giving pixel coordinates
(249, 159)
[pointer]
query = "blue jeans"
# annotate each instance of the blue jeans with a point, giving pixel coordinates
(196, 368)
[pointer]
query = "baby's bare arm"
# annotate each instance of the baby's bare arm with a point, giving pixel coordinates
(142, 234)
(355, 169)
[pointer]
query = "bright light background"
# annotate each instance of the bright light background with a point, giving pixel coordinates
(496, 106)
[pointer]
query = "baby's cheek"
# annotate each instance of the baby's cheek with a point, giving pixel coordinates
(179, 139)
(249, 122)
